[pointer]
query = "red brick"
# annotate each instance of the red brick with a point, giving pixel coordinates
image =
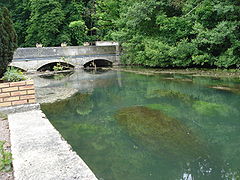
(19, 102)
(21, 83)
(3, 85)
(10, 89)
(26, 87)
(15, 98)
(31, 91)
(18, 93)
(32, 101)
(4, 104)
(4, 95)
(30, 82)
(27, 97)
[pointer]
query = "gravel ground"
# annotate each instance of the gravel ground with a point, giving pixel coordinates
(5, 136)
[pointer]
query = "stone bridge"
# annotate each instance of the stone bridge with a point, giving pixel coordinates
(33, 59)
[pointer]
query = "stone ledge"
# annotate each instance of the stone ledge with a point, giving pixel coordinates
(19, 108)
(40, 152)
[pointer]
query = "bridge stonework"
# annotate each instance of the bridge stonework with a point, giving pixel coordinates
(32, 59)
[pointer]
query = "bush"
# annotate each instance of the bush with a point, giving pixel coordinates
(5, 159)
(8, 39)
(13, 75)
(58, 67)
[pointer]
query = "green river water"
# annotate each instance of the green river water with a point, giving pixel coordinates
(130, 126)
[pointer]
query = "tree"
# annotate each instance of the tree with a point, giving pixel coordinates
(176, 33)
(8, 39)
(45, 22)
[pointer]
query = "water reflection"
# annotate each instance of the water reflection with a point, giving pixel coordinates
(58, 86)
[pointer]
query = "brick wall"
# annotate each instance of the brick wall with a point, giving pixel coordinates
(17, 93)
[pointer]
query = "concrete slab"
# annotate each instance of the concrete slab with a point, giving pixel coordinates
(19, 108)
(39, 151)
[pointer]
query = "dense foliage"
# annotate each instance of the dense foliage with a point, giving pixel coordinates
(13, 75)
(176, 33)
(8, 40)
(154, 33)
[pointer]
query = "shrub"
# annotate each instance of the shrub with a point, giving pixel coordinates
(58, 67)
(13, 75)
(8, 39)
(5, 159)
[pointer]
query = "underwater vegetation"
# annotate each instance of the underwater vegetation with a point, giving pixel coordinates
(159, 133)
(167, 108)
(149, 128)
(169, 138)
(79, 103)
(170, 94)
(210, 109)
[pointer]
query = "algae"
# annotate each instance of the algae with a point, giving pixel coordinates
(79, 103)
(167, 108)
(159, 133)
(211, 109)
(170, 94)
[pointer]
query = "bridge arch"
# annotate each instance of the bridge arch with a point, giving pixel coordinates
(18, 67)
(98, 62)
(50, 64)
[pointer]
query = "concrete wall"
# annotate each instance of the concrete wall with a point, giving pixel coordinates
(25, 53)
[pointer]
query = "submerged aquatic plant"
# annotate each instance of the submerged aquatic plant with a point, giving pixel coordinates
(159, 133)
(167, 108)
(79, 103)
(170, 94)
(210, 109)
(170, 139)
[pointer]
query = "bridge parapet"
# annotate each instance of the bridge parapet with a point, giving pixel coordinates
(22, 53)
(31, 59)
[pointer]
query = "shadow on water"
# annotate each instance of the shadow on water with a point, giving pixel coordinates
(138, 127)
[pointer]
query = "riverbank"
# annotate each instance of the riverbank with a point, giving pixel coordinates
(191, 71)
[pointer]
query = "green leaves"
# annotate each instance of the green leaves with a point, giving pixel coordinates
(156, 33)
(179, 34)
(8, 40)
(45, 21)
(5, 159)
(13, 75)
